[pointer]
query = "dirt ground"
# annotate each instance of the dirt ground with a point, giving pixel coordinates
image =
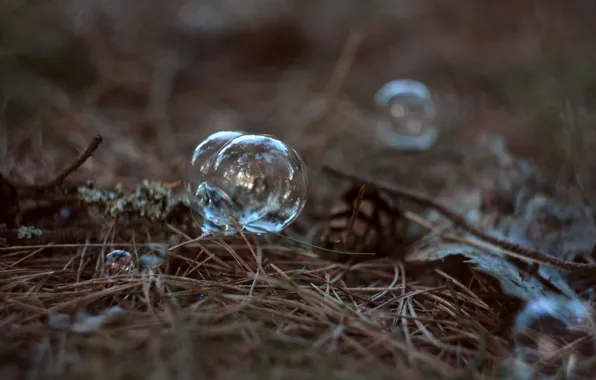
(155, 78)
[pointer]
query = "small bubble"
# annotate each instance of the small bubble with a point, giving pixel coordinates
(569, 313)
(149, 263)
(407, 115)
(118, 262)
(551, 316)
(255, 180)
(59, 321)
(546, 326)
(63, 215)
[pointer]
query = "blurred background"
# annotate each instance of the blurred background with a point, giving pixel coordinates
(156, 77)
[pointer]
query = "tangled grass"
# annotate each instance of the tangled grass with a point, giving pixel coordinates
(239, 307)
(264, 308)
(242, 309)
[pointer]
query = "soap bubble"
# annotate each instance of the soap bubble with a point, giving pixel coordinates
(408, 115)
(255, 180)
(118, 262)
(546, 325)
(570, 313)
(149, 263)
(205, 151)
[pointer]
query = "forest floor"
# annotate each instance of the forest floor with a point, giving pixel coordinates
(248, 307)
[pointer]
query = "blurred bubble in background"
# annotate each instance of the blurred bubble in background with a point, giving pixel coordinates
(407, 115)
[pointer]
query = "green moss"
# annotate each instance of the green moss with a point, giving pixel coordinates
(150, 199)
(27, 232)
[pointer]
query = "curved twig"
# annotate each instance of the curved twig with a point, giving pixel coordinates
(509, 248)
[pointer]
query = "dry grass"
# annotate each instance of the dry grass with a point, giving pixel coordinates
(212, 312)
(264, 308)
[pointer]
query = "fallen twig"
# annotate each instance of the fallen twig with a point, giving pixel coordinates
(509, 248)
(59, 179)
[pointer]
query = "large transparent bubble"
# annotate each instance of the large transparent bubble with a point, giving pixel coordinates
(407, 115)
(255, 180)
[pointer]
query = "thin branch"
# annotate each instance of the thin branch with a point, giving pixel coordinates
(337, 80)
(357, 206)
(343, 65)
(59, 179)
(424, 201)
